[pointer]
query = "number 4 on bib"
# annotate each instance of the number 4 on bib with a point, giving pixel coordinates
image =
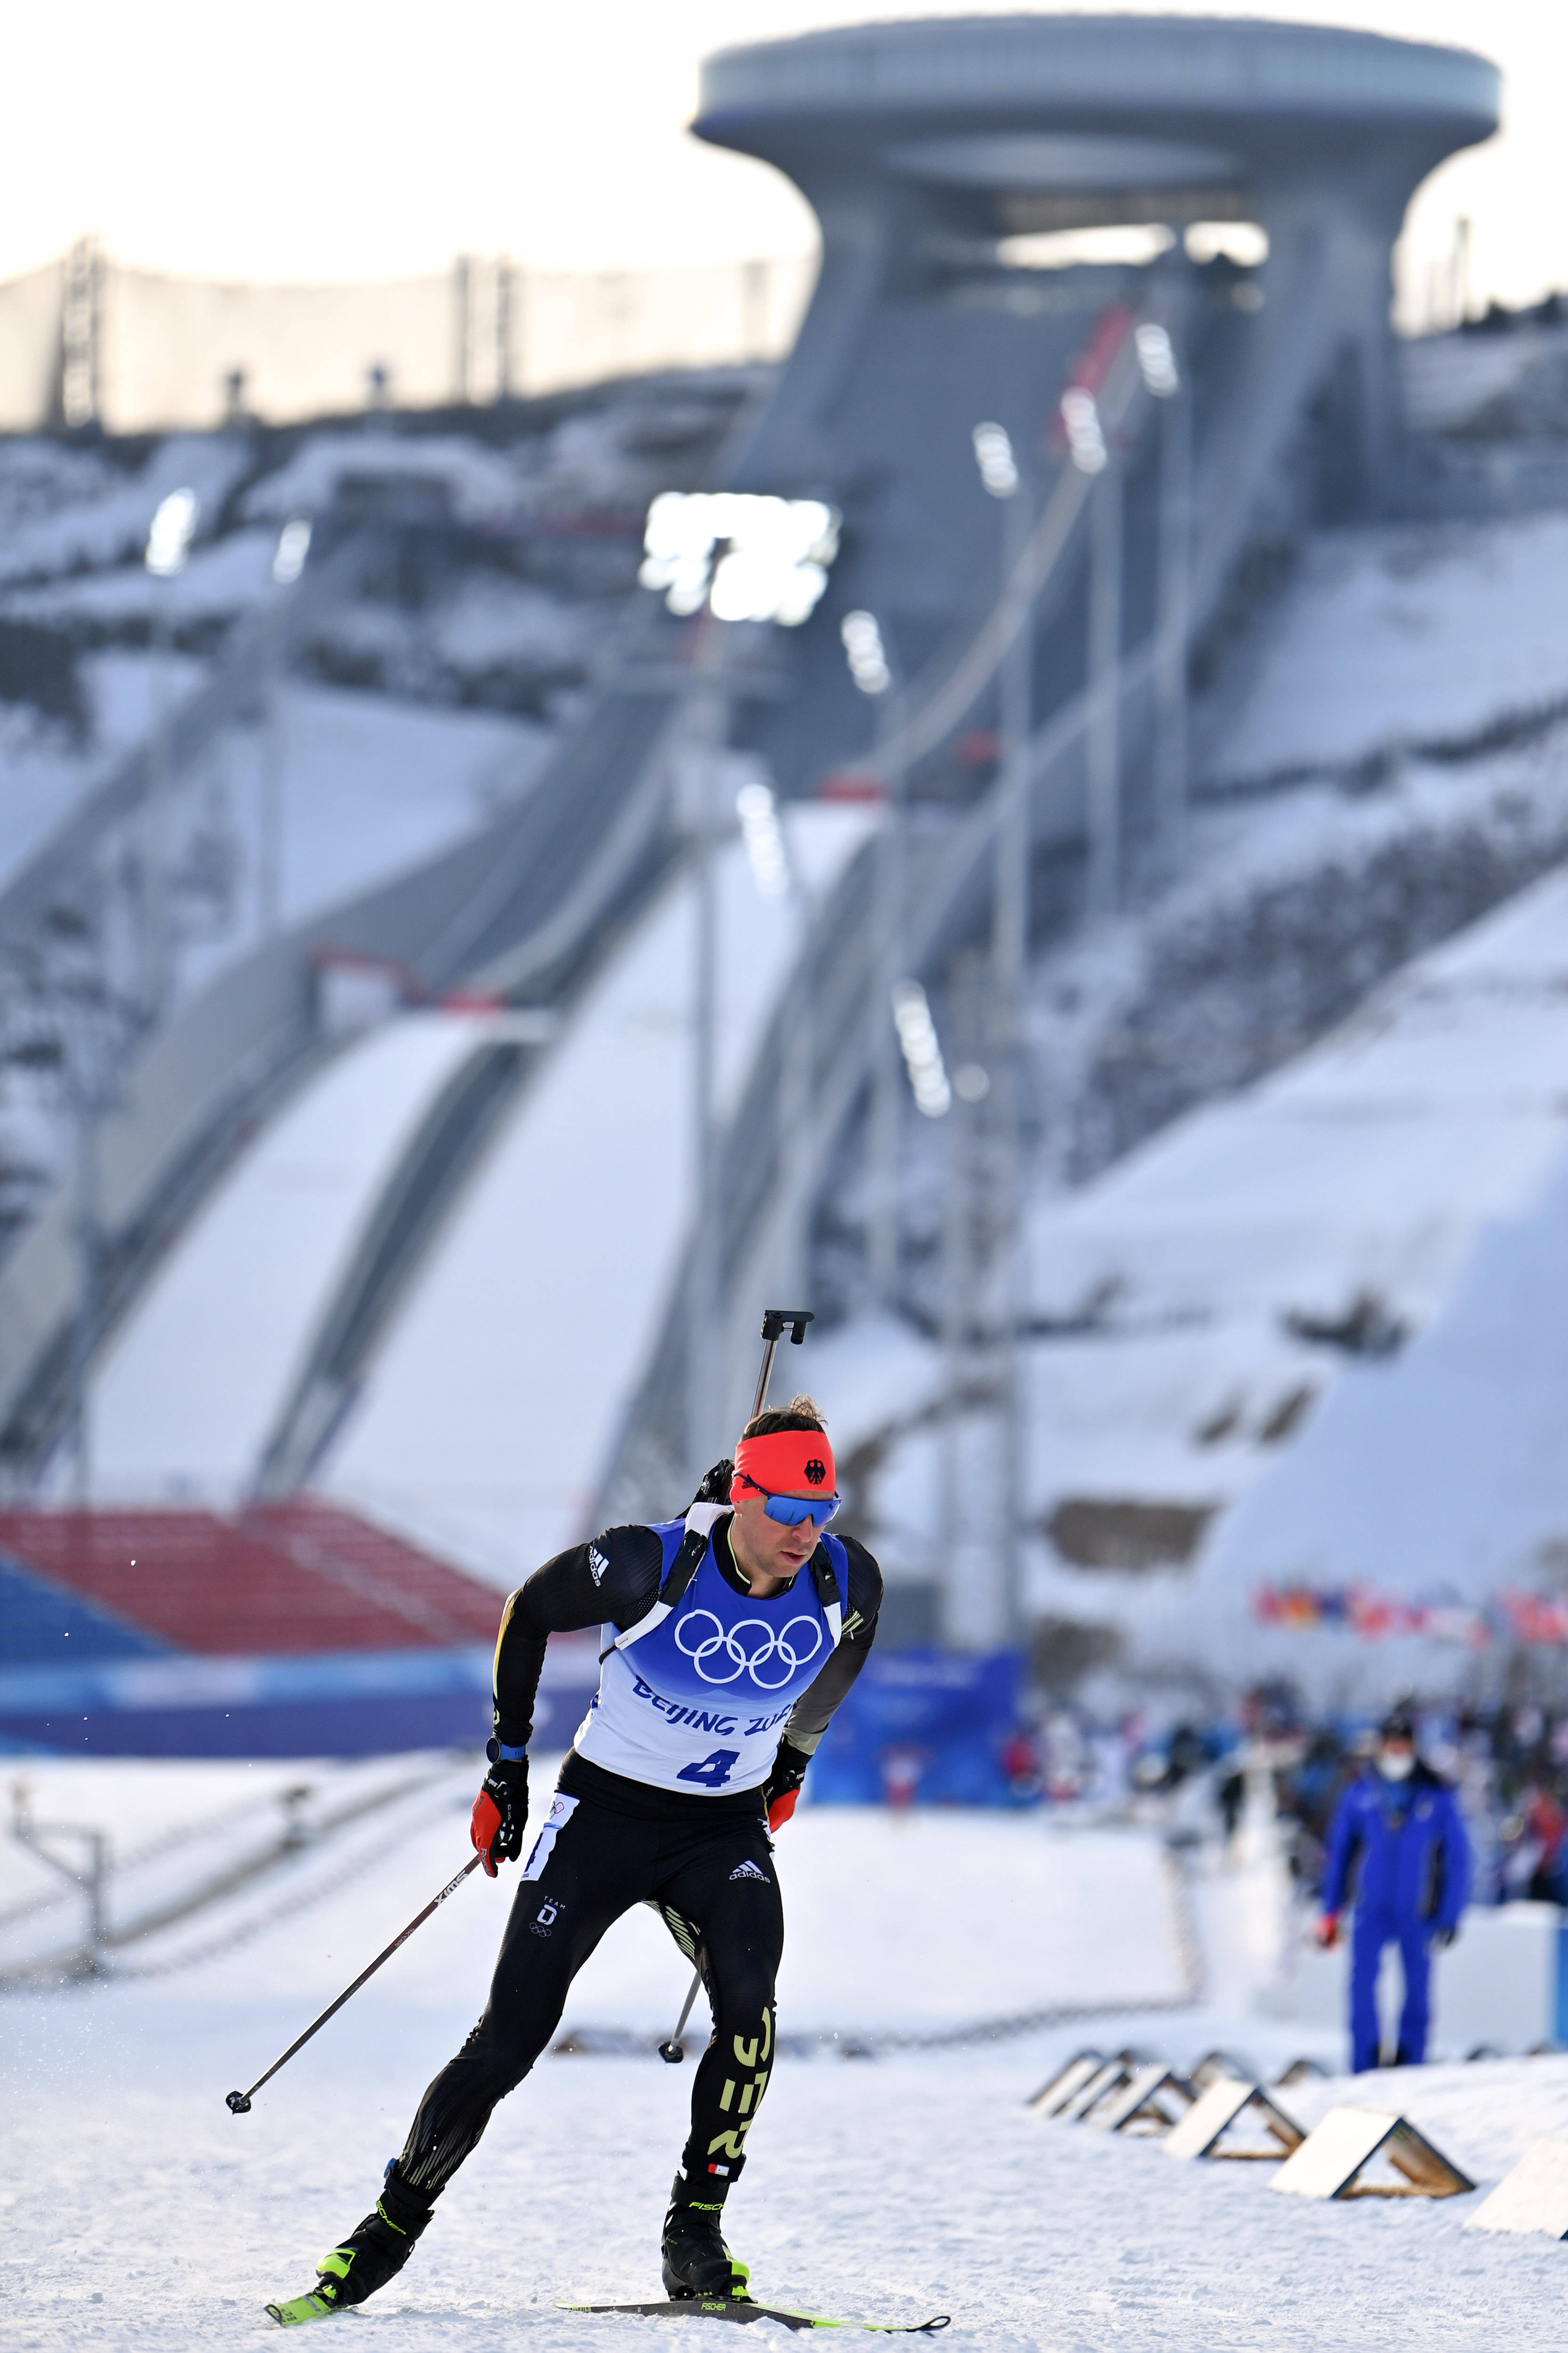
(712, 1770)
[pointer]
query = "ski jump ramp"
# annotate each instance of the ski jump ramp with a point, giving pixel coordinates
(487, 1404)
(924, 149)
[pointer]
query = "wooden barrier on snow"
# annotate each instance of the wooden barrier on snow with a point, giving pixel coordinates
(1150, 2102)
(1225, 2105)
(1220, 2066)
(1533, 2198)
(1071, 2077)
(1334, 2159)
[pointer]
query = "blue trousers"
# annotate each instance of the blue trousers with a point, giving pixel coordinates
(1372, 1931)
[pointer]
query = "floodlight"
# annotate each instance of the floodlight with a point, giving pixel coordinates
(172, 529)
(1085, 438)
(763, 837)
(922, 1050)
(868, 664)
(751, 557)
(293, 547)
(1157, 359)
(993, 455)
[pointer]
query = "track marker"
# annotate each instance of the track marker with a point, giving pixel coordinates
(1332, 2159)
(1202, 2131)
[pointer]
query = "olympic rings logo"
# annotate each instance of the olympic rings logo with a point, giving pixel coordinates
(739, 1660)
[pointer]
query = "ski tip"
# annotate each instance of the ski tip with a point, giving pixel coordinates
(300, 2308)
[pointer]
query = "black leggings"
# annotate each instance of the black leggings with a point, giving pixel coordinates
(717, 1875)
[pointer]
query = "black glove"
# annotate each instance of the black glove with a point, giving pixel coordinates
(500, 1809)
(781, 1786)
(1446, 1934)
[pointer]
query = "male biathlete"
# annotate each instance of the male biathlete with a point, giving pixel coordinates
(730, 1637)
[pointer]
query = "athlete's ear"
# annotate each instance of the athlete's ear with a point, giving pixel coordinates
(715, 1484)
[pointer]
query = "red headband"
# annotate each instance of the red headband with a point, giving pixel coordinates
(788, 1462)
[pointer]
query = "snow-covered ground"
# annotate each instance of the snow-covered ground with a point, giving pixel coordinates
(894, 2185)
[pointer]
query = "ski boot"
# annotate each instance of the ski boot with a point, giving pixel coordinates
(697, 2262)
(373, 2251)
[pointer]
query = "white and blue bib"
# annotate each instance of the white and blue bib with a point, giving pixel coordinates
(695, 1695)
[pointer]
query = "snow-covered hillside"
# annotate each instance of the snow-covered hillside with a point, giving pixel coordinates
(1402, 636)
(1273, 1116)
(458, 592)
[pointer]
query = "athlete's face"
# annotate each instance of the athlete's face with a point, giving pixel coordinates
(764, 1548)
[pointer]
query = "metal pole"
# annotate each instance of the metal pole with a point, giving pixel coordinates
(1174, 569)
(797, 1120)
(1104, 747)
(672, 2052)
(269, 809)
(238, 2103)
(157, 911)
(83, 1329)
(503, 327)
(1009, 949)
(971, 1534)
(704, 740)
(462, 341)
(887, 1083)
(955, 1215)
(704, 990)
(96, 1891)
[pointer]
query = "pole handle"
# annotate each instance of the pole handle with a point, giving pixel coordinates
(775, 1320)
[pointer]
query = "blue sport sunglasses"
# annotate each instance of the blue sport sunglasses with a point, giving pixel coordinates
(790, 1510)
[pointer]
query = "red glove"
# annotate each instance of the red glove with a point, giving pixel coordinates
(500, 1810)
(1327, 1931)
(782, 1785)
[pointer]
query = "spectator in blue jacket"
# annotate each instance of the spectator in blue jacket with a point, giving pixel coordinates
(1399, 1851)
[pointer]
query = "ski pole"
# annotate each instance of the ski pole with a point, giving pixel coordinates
(775, 1320)
(239, 2102)
(673, 2052)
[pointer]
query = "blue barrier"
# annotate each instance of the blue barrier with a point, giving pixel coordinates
(926, 1726)
(338, 1704)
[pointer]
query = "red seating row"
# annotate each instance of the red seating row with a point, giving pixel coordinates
(300, 1576)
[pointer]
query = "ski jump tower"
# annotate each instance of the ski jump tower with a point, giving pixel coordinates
(931, 152)
(923, 146)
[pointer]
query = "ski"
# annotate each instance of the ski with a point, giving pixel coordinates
(744, 2308)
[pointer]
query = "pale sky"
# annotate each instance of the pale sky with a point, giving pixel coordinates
(334, 139)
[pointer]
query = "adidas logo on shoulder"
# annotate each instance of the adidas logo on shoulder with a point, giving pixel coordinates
(749, 1871)
(597, 1563)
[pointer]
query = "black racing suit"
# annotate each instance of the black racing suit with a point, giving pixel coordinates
(705, 1861)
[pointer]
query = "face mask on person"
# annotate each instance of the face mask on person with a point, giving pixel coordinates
(1397, 1764)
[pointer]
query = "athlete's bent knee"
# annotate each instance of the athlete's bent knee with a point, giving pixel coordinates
(500, 2054)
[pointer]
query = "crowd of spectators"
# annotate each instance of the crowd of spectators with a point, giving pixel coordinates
(1509, 1765)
